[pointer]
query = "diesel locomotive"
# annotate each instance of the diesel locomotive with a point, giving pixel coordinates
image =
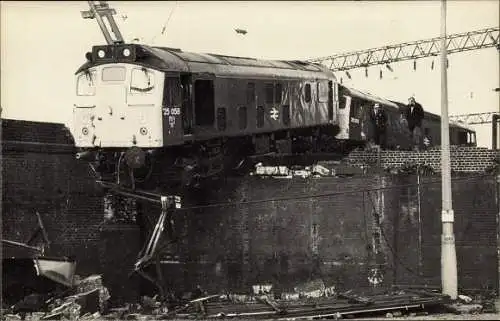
(160, 117)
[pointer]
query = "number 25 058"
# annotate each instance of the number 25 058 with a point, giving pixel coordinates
(171, 111)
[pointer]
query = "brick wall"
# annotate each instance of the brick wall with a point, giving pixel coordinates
(40, 173)
(281, 242)
(463, 159)
(343, 236)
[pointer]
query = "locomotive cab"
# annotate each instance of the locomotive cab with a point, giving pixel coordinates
(121, 103)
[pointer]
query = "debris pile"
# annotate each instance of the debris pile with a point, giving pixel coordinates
(88, 300)
(313, 300)
(85, 300)
(293, 171)
(92, 284)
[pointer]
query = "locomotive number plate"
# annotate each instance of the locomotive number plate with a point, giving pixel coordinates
(174, 111)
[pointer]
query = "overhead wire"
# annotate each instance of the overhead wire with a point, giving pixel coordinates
(164, 26)
(155, 198)
(321, 195)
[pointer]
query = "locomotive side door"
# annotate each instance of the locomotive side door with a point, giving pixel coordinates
(356, 119)
(187, 104)
(330, 102)
(344, 111)
(204, 104)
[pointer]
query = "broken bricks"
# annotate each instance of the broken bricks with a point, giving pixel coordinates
(91, 283)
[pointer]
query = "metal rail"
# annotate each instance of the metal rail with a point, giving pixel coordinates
(472, 40)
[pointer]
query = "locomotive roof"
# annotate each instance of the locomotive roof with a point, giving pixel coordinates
(368, 96)
(170, 59)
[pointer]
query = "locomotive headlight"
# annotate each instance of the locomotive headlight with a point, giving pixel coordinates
(85, 131)
(143, 131)
(101, 53)
(126, 52)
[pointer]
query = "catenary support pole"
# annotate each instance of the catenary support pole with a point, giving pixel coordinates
(448, 252)
(494, 131)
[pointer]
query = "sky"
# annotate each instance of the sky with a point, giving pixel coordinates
(43, 44)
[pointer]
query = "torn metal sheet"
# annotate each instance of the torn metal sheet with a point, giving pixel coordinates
(58, 270)
(20, 278)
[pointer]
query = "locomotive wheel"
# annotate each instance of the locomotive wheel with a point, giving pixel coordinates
(138, 165)
(135, 157)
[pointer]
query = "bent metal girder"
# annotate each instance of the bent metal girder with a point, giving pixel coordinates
(150, 250)
(472, 40)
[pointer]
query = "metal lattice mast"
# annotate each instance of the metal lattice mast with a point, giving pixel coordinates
(472, 40)
(472, 119)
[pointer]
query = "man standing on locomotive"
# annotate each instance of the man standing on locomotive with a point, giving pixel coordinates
(414, 116)
(378, 119)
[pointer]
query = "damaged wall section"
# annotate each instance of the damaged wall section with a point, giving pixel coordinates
(40, 173)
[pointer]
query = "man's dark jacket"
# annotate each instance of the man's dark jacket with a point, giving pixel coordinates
(379, 120)
(414, 118)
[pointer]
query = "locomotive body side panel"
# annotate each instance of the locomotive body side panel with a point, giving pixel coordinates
(172, 111)
(269, 97)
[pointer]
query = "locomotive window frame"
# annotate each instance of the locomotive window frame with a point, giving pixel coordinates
(278, 93)
(242, 117)
(285, 115)
(204, 102)
(136, 90)
(346, 98)
(109, 74)
(462, 137)
(251, 93)
(269, 93)
(90, 77)
(221, 119)
(323, 92)
(307, 92)
(260, 115)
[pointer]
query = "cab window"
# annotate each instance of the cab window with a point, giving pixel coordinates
(322, 92)
(114, 73)
(85, 84)
(141, 81)
(307, 93)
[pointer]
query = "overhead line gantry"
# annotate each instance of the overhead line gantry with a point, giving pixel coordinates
(472, 40)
